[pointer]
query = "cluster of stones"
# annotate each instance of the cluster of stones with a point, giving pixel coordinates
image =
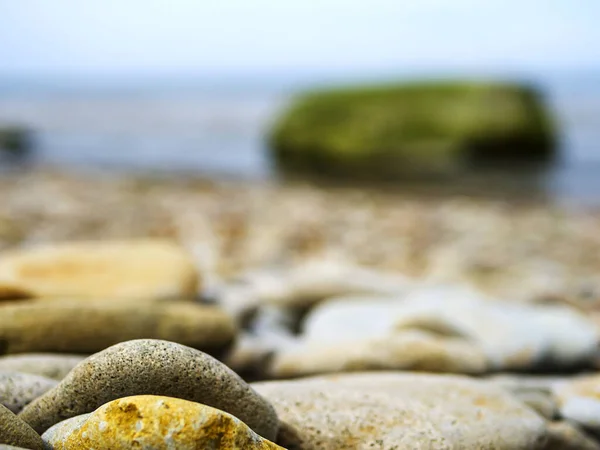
(109, 345)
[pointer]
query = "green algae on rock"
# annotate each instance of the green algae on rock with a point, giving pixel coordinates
(413, 128)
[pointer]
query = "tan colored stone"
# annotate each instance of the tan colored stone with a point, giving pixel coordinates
(104, 269)
(401, 411)
(407, 351)
(156, 422)
(76, 327)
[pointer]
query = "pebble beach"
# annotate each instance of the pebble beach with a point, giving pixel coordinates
(146, 312)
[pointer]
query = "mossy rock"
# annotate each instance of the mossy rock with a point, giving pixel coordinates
(413, 128)
(15, 141)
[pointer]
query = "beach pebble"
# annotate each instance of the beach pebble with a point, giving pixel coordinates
(399, 410)
(566, 436)
(141, 269)
(151, 367)
(49, 365)
(307, 284)
(19, 389)
(512, 336)
(403, 351)
(15, 432)
(75, 327)
(153, 422)
(579, 401)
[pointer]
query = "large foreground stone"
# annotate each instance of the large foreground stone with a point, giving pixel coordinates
(75, 327)
(401, 411)
(13, 431)
(152, 422)
(151, 367)
(412, 128)
(106, 270)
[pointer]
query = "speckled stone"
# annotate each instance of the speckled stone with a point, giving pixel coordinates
(106, 270)
(13, 431)
(152, 422)
(36, 326)
(49, 365)
(151, 367)
(19, 389)
(388, 410)
(10, 447)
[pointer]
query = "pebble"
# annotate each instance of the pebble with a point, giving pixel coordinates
(512, 336)
(151, 367)
(13, 431)
(49, 365)
(579, 401)
(308, 284)
(404, 351)
(400, 410)
(105, 270)
(19, 389)
(153, 422)
(33, 326)
(566, 436)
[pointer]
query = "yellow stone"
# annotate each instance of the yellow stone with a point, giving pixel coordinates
(103, 269)
(153, 422)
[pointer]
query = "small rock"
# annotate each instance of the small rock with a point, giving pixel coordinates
(155, 422)
(49, 365)
(151, 367)
(105, 270)
(13, 431)
(399, 410)
(18, 389)
(308, 284)
(566, 436)
(512, 336)
(406, 351)
(579, 401)
(33, 326)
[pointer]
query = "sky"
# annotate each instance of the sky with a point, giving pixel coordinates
(191, 37)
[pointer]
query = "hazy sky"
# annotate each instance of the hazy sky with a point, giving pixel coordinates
(262, 36)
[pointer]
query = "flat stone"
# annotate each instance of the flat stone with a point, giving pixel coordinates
(13, 431)
(151, 367)
(34, 326)
(403, 351)
(512, 336)
(105, 270)
(403, 411)
(49, 365)
(152, 422)
(18, 389)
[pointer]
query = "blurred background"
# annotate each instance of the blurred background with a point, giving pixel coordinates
(192, 87)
